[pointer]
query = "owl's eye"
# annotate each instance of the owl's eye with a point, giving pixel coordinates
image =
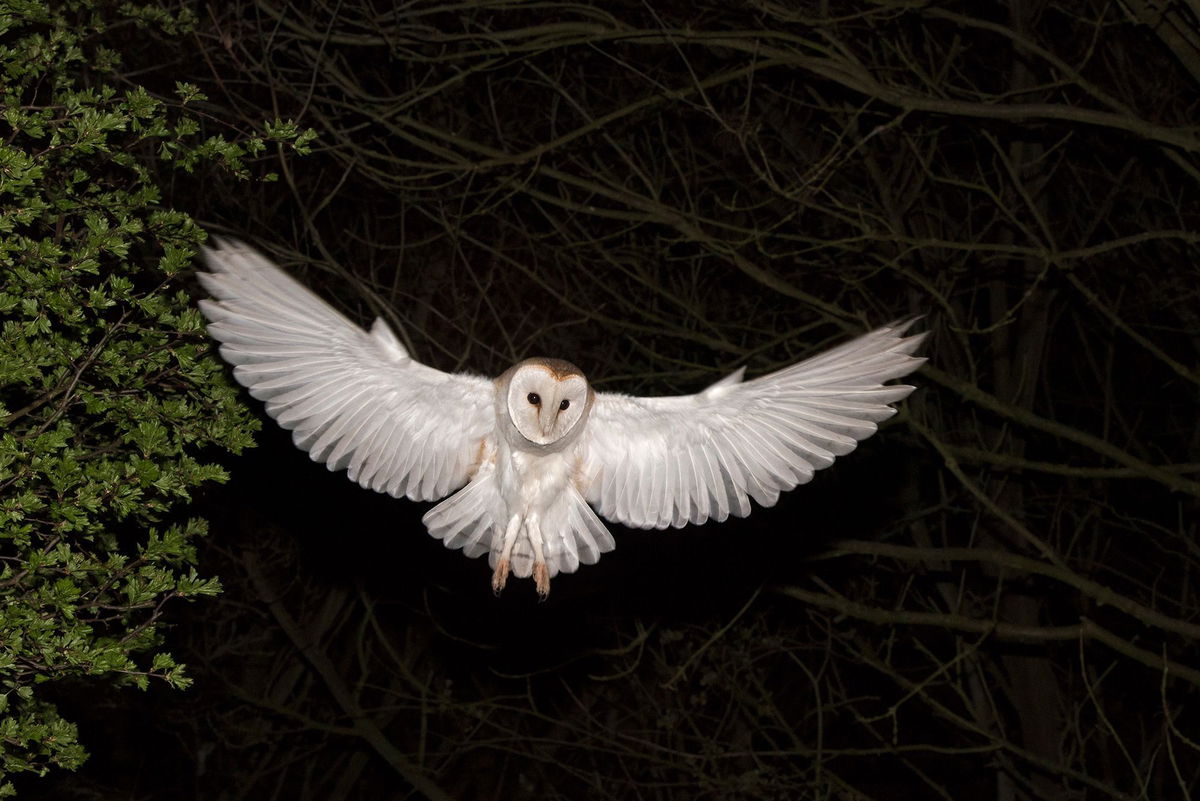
(563, 406)
(534, 398)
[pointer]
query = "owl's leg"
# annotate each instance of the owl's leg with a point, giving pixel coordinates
(500, 576)
(541, 574)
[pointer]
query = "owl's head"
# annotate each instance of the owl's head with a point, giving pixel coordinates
(547, 400)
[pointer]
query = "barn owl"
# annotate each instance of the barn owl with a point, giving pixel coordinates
(530, 458)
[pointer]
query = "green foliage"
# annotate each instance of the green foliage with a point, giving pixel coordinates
(110, 401)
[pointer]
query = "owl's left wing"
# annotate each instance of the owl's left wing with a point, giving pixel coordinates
(353, 399)
(658, 462)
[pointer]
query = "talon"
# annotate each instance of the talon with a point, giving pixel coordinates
(500, 576)
(541, 577)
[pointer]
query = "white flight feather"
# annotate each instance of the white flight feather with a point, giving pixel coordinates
(658, 462)
(337, 387)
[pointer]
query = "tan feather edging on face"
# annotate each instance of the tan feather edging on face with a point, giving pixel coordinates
(559, 369)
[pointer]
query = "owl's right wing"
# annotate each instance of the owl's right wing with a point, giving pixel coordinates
(353, 399)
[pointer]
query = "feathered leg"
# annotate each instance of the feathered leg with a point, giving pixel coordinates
(541, 574)
(500, 576)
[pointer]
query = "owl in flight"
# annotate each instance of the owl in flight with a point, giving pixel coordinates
(527, 456)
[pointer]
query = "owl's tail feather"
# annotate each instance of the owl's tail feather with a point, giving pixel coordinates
(572, 535)
(592, 537)
(471, 518)
(474, 518)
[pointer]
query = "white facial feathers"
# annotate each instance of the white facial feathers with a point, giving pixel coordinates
(546, 400)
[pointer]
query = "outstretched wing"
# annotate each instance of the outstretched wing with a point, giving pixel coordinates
(658, 462)
(353, 399)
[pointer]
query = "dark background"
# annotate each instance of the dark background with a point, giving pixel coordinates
(992, 598)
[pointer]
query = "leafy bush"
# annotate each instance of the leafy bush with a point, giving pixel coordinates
(110, 403)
